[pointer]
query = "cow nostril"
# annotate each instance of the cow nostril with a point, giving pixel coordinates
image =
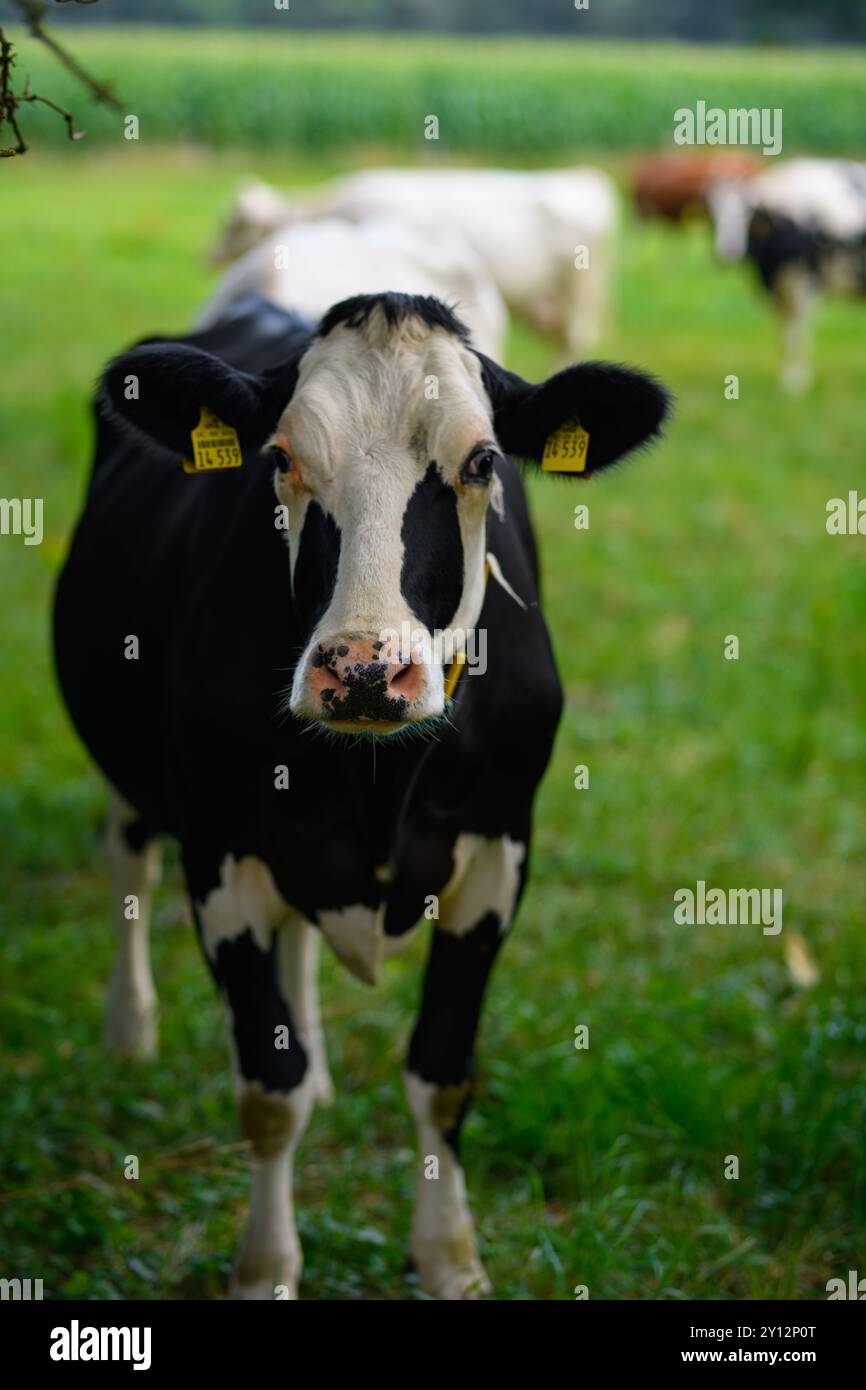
(400, 677)
(325, 681)
(407, 682)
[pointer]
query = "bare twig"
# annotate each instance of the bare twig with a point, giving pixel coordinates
(33, 12)
(8, 100)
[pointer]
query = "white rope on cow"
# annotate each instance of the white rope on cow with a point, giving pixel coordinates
(496, 571)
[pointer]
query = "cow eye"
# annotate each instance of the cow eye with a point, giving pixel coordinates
(479, 466)
(280, 458)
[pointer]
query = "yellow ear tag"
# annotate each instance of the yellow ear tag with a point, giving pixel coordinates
(214, 445)
(566, 449)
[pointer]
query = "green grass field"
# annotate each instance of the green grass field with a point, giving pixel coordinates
(507, 97)
(602, 1167)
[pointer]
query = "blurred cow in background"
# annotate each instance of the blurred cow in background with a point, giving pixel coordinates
(675, 186)
(305, 266)
(546, 237)
(803, 226)
(257, 211)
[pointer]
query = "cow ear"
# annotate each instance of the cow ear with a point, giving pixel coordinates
(619, 408)
(159, 389)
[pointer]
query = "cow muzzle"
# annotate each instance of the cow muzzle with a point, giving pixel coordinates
(358, 683)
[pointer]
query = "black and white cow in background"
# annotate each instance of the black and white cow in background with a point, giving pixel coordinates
(803, 227)
(248, 648)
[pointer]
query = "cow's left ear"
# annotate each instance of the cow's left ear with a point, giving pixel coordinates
(159, 389)
(619, 408)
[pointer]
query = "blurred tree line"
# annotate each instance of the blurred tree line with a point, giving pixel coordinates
(732, 21)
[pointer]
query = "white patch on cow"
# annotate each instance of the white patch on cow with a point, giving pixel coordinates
(311, 265)
(246, 897)
(364, 432)
(356, 934)
(443, 1234)
(298, 961)
(131, 1005)
(486, 878)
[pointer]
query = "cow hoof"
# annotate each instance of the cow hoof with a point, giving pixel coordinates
(132, 1032)
(264, 1291)
(263, 1274)
(470, 1284)
(323, 1090)
(796, 380)
(451, 1275)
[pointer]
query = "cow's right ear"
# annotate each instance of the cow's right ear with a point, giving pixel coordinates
(159, 389)
(618, 408)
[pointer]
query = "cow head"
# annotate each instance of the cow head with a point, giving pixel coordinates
(730, 203)
(385, 437)
(257, 211)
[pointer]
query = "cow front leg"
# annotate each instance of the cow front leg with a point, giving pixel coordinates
(300, 948)
(134, 862)
(474, 911)
(243, 925)
(794, 294)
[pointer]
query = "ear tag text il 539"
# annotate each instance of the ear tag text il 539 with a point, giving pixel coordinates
(214, 445)
(566, 449)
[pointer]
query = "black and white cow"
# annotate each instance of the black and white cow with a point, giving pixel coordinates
(803, 226)
(202, 646)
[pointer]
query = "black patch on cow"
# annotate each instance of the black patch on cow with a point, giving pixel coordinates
(397, 308)
(137, 834)
(431, 579)
(315, 572)
(444, 1038)
(776, 242)
(248, 978)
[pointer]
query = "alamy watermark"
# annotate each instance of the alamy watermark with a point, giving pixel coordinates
(747, 907)
(77, 1343)
(23, 1290)
(854, 1288)
(846, 516)
(442, 647)
(22, 516)
(737, 126)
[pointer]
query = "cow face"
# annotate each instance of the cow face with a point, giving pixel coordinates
(386, 464)
(385, 437)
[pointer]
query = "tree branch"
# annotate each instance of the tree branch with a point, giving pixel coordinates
(32, 12)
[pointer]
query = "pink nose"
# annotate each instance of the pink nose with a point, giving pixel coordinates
(354, 678)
